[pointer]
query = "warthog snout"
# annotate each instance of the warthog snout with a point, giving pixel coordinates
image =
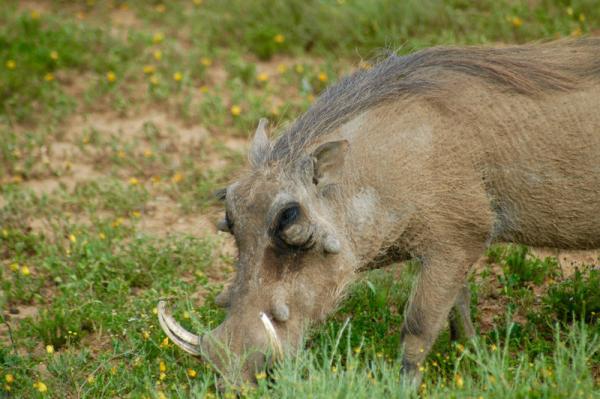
(238, 352)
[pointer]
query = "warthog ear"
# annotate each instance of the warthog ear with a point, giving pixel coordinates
(328, 161)
(261, 146)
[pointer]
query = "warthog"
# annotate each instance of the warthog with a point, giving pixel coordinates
(434, 156)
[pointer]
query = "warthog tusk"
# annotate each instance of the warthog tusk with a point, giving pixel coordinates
(272, 334)
(180, 336)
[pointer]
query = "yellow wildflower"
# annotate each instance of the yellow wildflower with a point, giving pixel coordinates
(160, 8)
(570, 11)
(145, 335)
(516, 22)
(4, 233)
(136, 214)
(299, 68)
(161, 395)
(34, 14)
(582, 17)
(281, 68)
(162, 376)
(192, 373)
(91, 379)
(357, 350)
(493, 347)
(121, 154)
(147, 153)
(203, 89)
(459, 380)
(40, 386)
(323, 77)
(279, 38)
(72, 238)
(111, 77)
(235, 110)
(154, 310)
(197, 2)
(149, 69)
(50, 349)
(164, 343)
(102, 236)
(25, 271)
(14, 267)
(157, 54)
(54, 55)
(133, 181)
(11, 64)
(206, 61)
(262, 77)
(155, 179)
(261, 376)
(154, 80)
(577, 32)
(9, 378)
(117, 222)
(158, 37)
(186, 315)
(177, 76)
(177, 177)
(162, 366)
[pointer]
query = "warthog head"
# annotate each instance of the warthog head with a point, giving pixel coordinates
(294, 260)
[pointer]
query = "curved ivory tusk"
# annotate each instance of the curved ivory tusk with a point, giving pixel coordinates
(272, 335)
(180, 336)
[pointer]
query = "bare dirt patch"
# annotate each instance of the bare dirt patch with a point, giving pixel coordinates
(492, 303)
(78, 173)
(163, 217)
(12, 316)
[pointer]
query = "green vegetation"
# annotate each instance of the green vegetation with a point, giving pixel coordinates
(118, 121)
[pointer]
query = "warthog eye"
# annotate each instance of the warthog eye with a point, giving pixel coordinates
(289, 231)
(287, 217)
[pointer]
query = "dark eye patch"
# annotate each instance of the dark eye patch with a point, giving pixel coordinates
(288, 216)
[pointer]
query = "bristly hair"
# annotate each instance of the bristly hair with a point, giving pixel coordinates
(527, 70)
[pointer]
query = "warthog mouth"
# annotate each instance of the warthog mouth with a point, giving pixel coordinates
(192, 343)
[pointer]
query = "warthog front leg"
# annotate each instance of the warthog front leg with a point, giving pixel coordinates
(440, 285)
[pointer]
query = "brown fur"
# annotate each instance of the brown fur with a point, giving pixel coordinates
(440, 154)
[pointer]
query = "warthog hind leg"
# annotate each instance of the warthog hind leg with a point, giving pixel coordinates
(461, 326)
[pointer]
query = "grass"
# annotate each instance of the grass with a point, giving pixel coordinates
(118, 120)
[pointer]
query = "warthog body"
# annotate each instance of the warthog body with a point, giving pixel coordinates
(434, 155)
